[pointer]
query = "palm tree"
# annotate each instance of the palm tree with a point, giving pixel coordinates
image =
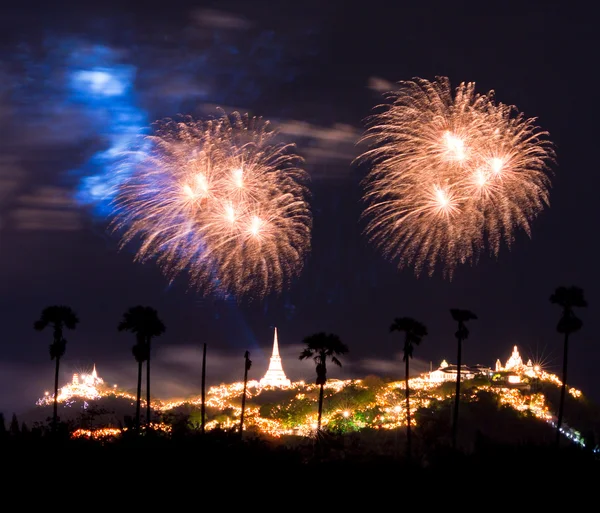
(247, 366)
(567, 298)
(414, 331)
(140, 353)
(59, 317)
(203, 392)
(319, 347)
(145, 323)
(461, 317)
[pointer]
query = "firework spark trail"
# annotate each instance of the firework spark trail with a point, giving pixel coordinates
(452, 173)
(222, 201)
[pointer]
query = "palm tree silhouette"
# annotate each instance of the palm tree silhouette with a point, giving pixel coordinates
(145, 323)
(567, 298)
(461, 317)
(247, 366)
(319, 347)
(414, 331)
(140, 353)
(59, 317)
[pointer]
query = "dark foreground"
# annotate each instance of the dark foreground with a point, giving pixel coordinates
(249, 474)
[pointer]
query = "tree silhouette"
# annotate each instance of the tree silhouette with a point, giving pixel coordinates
(247, 366)
(59, 317)
(461, 317)
(14, 429)
(320, 347)
(145, 323)
(140, 353)
(203, 392)
(567, 298)
(414, 331)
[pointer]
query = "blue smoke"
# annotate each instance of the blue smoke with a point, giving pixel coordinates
(226, 72)
(106, 92)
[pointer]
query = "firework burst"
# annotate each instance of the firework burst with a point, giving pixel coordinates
(452, 173)
(220, 200)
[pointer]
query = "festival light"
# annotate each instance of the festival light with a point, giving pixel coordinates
(387, 410)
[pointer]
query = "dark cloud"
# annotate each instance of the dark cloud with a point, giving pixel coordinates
(322, 144)
(46, 208)
(219, 19)
(381, 85)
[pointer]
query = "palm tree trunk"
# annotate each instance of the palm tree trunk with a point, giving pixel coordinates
(139, 398)
(148, 386)
(320, 407)
(457, 393)
(243, 401)
(408, 441)
(562, 390)
(55, 412)
(203, 406)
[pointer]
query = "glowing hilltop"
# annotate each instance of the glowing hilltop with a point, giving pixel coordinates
(352, 404)
(84, 386)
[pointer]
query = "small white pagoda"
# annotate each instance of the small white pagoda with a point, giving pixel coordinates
(275, 377)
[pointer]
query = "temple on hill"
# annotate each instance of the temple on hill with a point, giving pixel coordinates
(447, 372)
(85, 386)
(513, 370)
(515, 364)
(275, 377)
(87, 379)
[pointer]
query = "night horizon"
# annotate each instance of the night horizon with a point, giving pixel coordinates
(79, 92)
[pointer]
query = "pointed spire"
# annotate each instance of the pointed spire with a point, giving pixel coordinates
(94, 373)
(275, 375)
(275, 344)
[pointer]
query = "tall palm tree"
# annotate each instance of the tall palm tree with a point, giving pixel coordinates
(59, 317)
(461, 317)
(203, 392)
(414, 331)
(247, 366)
(145, 323)
(140, 353)
(567, 298)
(320, 347)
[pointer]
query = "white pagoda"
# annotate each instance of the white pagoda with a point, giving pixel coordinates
(517, 368)
(275, 377)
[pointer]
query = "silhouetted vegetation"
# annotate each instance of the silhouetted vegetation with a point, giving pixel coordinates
(461, 317)
(355, 439)
(320, 347)
(414, 331)
(247, 366)
(567, 298)
(145, 323)
(59, 317)
(497, 444)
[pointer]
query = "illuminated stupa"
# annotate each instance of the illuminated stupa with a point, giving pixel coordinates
(516, 367)
(515, 363)
(275, 377)
(82, 386)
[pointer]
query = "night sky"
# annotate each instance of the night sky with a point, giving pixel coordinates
(78, 85)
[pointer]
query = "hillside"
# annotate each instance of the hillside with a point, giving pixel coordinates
(491, 407)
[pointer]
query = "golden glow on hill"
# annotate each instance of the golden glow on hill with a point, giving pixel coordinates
(349, 405)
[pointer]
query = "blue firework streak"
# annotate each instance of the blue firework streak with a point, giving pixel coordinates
(219, 75)
(106, 91)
